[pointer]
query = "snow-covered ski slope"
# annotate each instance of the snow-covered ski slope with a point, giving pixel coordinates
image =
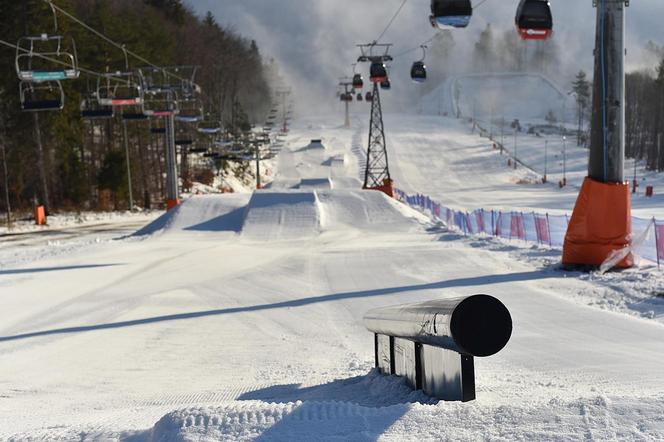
(238, 317)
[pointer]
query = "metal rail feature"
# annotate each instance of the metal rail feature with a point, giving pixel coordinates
(433, 344)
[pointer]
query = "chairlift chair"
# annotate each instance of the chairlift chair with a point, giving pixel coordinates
(160, 103)
(119, 89)
(191, 111)
(42, 58)
(451, 13)
(378, 72)
(210, 125)
(534, 20)
(42, 96)
(91, 109)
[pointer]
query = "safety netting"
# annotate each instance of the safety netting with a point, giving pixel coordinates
(647, 239)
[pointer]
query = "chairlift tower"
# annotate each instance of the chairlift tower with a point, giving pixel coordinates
(283, 93)
(169, 83)
(601, 221)
(377, 171)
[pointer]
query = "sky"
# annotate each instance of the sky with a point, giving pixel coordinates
(314, 40)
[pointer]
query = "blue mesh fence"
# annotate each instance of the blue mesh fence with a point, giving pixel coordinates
(531, 227)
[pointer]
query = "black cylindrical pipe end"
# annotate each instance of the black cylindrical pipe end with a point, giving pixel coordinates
(481, 325)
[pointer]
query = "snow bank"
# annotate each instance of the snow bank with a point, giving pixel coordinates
(367, 211)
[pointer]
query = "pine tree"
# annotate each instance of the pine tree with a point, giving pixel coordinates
(484, 55)
(581, 87)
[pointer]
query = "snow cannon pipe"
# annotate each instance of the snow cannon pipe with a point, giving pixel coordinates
(478, 325)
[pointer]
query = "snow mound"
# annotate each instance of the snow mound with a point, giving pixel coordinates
(315, 183)
(206, 213)
(367, 211)
(275, 215)
(282, 215)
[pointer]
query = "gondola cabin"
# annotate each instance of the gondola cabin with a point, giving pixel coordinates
(418, 73)
(378, 72)
(534, 20)
(358, 81)
(451, 13)
(359, 97)
(386, 85)
(368, 97)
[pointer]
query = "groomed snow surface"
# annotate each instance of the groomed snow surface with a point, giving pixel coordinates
(238, 317)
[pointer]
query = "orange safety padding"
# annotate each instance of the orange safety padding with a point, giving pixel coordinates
(170, 204)
(387, 188)
(40, 216)
(601, 223)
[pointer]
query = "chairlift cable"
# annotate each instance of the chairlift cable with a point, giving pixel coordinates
(109, 41)
(60, 62)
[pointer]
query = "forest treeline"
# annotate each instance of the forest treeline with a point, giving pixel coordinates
(644, 133)
(79, 159)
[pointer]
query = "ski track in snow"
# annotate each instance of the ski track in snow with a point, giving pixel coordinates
(239, 317)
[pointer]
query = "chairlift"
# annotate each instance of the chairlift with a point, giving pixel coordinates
(134, 116)
(386, 85)
(368, 97)
(358, 81)
(42, 96)
(160, 103)
(378, 72)
(191, 111)
(450, 13)
(359, 97)
(120, 89)
(91, 109)
(42, 58)
(210, 125)
(158, 130)
(184, 142)
(534, 20)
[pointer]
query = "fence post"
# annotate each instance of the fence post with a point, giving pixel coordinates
(537, 229)
(511, 224)
(654, 221)
(493, 223)
(548, 227)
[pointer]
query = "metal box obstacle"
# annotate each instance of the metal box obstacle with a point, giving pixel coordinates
(433, 344)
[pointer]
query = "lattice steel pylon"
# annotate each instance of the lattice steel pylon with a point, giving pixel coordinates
(377, 171)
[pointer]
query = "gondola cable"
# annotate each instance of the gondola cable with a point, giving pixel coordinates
(394, 17)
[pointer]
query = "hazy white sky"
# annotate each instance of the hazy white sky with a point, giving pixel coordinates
(314, 40)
